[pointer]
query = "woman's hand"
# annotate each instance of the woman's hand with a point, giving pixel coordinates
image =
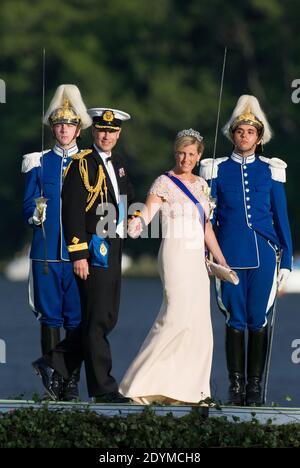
(135, 227)
(222, 262)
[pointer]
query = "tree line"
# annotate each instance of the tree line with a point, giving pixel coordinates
(160, 61)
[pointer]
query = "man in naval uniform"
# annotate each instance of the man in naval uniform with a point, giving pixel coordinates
(53, 294)
(253, 232)
(95, 193)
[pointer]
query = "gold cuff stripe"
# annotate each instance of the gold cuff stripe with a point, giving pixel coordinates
(76, 248)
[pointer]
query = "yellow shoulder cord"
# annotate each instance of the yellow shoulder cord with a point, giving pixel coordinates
(93, 191)
(79, 155)
(67, 170)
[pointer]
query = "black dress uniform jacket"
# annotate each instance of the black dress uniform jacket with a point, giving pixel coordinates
(78, 224)
(100, 293)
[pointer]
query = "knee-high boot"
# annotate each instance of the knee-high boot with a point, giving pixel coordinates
(70, 385)
(235, 354)
(50, 336)
(256, 360)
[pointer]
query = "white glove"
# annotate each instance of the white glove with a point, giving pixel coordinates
(39, 215)
(283, 275)
(135, 227)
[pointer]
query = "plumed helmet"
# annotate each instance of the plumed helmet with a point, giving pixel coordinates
(248, 112)
(68, 107)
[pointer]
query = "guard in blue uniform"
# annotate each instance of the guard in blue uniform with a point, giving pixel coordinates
(53, 292)
(253, 231)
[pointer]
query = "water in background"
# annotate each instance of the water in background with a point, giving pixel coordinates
(140, 303)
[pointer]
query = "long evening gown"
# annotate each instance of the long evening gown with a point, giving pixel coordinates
(174, 362)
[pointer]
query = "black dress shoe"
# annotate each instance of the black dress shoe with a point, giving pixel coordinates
(70, 390)
(52, 381)
(112, 397)
(254, 392)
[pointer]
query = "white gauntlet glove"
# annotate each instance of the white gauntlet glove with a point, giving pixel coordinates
(283, 275)
(39, 215)
(135, 227)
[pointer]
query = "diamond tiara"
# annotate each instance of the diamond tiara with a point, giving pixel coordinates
(190, 132)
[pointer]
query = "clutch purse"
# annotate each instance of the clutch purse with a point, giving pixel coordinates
(221, 272)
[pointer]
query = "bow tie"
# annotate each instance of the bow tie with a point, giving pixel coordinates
(108, 159)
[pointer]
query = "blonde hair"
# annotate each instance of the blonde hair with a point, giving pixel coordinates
(183, 141)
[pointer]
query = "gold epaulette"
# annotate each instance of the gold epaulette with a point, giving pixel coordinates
(79, 155)
(82, 154)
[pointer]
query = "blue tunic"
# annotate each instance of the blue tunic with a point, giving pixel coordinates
(252, 224)
(47, 177)
(250, 202)
(54, 298)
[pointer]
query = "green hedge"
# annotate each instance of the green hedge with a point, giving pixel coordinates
(45, 428)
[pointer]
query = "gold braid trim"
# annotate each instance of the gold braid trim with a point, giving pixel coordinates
(95, 190)
(67, 170)
(79, 155)
(82, 154)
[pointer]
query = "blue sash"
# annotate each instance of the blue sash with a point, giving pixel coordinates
(189, 194)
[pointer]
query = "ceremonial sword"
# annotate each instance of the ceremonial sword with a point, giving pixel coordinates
(41, 201)
(271, 333)
(218, 116)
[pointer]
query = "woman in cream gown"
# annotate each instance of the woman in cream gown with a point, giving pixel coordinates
(174, 362)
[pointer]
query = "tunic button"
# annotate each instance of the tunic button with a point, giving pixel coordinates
(247, 198)
(246, 182)
(250, 224)
(244, 166)
(249, 216)
(245, 174)
(65, 159)
(248, 207)
(247, 190)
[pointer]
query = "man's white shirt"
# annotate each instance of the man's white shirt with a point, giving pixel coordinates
(120, 230)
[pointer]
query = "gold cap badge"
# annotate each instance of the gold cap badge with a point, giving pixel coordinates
(108, 116)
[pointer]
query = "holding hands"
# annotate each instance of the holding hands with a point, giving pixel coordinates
(135, 227)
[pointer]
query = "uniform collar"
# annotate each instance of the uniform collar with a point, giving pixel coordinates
(102, 154)
(65, 153)
(241, 160)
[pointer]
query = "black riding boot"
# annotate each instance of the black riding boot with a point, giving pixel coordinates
(49, 338)
(70, 386)
(256, 359)
(235, 354)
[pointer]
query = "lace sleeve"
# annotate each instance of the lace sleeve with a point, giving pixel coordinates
(160, 188)
(203, 182)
